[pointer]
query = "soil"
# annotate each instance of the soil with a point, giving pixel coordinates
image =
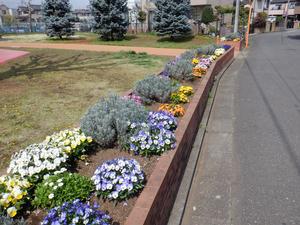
(119, 211)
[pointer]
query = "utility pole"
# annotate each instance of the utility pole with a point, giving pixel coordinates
(286, 14)
(237, 16)
(249, 22)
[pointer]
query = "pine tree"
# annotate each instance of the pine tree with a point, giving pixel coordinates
(111, 18)
(58, 18)
(171, 18)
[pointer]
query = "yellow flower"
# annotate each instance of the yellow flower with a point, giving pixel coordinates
(83, 138)
(73, 145)
(12, 212)
(89, 139)
(70, 132)
(68, 149)
(195, 61)
(67, 142)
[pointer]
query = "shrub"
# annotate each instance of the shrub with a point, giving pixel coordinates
(260, 20)
(13, 194)
(188, 55)
(76, 212)
(208, 15)
(61, 188)
(118, 179)
(72, 142)
(180, 69)
(37, 160)
(174, 109)
(155, 89)
(206, 50)
(8, 221)
(106, 122)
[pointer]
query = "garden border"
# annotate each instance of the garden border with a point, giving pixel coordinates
(238, 45)
(155, 203)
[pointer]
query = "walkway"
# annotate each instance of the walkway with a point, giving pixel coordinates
(95, 48)
(249, 169)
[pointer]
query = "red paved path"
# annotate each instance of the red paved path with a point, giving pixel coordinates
(96, 48)
(6, 55)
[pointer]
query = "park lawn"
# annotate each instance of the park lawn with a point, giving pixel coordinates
(140, 40)
(50, 90)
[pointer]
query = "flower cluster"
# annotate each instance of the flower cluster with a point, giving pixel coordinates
(118, 179)
(226, 47)
(163, 119)
(181, 96)
(219, 51)
(151, 140)
(174, 109)
(73, 142)
(57, 189)
(36, 161)
(187, 90)
(13, 194)
(76, 212)
(137, 99)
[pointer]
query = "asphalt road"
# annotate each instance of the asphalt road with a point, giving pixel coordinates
(249, 169)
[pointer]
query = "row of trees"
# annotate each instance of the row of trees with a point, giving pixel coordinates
(111, 18)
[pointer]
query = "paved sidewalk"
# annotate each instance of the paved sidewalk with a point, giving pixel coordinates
(249, 169)
(95, 48)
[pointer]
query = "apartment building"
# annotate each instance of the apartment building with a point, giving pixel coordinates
(23, 13)
(281, 8)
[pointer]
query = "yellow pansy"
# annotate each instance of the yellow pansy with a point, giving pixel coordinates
(89, 139)
(12, 212)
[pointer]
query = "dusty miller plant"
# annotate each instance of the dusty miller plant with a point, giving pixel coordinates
(180, 69)
(8, 221)
(155, 89)
(107, 121)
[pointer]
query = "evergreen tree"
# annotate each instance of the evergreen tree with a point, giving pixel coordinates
(58, 18)
(172, 18)
(208, 15)
(111, 18)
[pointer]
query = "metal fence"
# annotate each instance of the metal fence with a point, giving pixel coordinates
(23, 28)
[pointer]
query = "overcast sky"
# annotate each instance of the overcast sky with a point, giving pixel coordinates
(15, 3)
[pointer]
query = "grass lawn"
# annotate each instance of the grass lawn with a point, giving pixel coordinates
(50, 90)
(141, 40)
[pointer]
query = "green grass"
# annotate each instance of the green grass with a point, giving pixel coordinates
(50, 90)
(140, 40)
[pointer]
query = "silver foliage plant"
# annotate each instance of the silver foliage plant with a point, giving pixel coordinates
(180, 69)
(8, 221)
(155, 89)
(107, 121)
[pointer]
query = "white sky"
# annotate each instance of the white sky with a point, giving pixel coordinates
(75, 3)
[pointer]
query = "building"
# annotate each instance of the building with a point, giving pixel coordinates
(281, 8)
(23, 13)
(5, 14)
(84, 20)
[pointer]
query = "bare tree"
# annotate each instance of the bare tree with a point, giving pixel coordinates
(28, 5)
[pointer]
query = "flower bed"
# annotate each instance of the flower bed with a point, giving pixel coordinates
(148, 140)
